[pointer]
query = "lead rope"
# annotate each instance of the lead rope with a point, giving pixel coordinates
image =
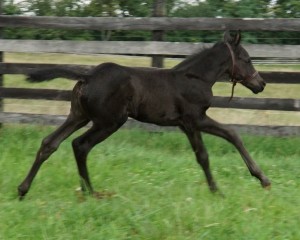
(232, 90)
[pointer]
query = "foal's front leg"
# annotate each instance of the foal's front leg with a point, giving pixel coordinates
(197, 144)
(210, 126)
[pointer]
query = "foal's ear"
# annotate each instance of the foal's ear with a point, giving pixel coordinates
(227, 37)
(232, 39)
(237, 38)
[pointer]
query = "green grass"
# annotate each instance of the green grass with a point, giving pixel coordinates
(160, 192)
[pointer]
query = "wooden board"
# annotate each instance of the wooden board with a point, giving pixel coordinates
(220, 102)
(152, 23)
(25, 68)
(138, 48)
(42, 119)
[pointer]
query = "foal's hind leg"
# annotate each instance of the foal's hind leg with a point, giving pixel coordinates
(83, 144)
(48, 146)
(210, 126)
(196, 141)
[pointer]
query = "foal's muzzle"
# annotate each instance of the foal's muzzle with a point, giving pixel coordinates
(255, 83)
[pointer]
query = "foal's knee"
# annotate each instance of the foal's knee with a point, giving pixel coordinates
(75, 145)
(46, 149)
(233, 137)
(79, 148)
(202, 158)
(203, 155)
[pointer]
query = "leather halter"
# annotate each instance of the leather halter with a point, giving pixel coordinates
(233, 61)
(233, 69)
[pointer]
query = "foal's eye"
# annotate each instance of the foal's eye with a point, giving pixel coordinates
(248, 60)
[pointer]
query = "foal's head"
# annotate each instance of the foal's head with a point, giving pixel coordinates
(242, 71)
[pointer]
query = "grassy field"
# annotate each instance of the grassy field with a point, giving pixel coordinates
(160, 192)
(220, 89)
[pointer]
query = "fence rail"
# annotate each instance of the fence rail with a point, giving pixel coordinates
(139, 48)
(220, 102)
(23, 118)
(152, 23)
(25, 68)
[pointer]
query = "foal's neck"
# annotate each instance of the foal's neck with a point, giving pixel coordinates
(208, 65)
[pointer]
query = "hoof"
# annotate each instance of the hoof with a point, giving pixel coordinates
(268, 187)
(21, 193)
(215, 190)
(266, 184)
(218, 192)
(21, 198)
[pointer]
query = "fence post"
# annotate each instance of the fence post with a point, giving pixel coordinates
(158, 35)
(1, 60)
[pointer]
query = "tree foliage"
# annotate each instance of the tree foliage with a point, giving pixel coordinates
(138, 8)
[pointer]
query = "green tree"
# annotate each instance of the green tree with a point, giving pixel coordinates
(10, 8)
(143, 8)
(287, 9)
(41, 7)
(238, 9)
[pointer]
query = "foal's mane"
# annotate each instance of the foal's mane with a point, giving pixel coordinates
(199, 55)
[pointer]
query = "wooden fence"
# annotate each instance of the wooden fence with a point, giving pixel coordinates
(150, 48)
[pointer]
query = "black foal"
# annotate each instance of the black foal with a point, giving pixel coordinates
(109, 93)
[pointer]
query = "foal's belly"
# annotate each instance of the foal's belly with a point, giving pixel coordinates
(160, 111)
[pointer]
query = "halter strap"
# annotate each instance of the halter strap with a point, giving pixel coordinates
(232, 80)
(252, 76)
(233, 60)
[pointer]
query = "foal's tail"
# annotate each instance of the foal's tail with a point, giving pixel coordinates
(58, 72)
